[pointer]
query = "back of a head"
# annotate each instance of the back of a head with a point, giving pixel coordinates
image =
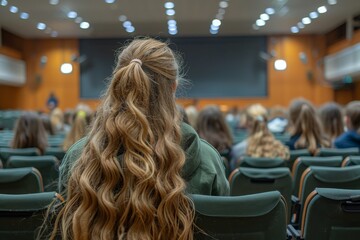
(306, 124)
(332, 119)
(78, 129)
(127, 182)
(57, 119)
(256, 121)
(212, 127)
(192, 114)
(352, 112)
(30, 132)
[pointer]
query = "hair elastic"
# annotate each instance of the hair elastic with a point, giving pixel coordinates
(137, 61)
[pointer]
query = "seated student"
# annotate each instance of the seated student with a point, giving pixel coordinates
(351, 138)
(128, 179)
(78, 129)
(306, 132)
(29, 132)
(332, 120)
(260, 142)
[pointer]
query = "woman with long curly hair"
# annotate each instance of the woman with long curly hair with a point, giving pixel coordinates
(129, 178)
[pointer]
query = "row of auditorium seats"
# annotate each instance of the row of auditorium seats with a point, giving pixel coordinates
(7, 136)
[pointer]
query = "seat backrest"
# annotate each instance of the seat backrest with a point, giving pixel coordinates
(351, 161)
(344, 152)
(6, 153)
(332, 214)
(20, 181)
(59, 153)
(262, 162)
(245, 181)
(302, 163)
(258, 216)
(48, 166)
(22, 214)
(294, 154)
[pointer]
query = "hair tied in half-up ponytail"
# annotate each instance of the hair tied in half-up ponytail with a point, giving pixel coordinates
(136, 60)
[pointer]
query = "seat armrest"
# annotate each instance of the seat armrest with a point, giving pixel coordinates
(294, 233)
(295, 200)
(295, 210)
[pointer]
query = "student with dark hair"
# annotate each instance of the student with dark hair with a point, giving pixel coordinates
(332, 120)
(307, 131)
(129, 177)
(30, 132)
(351, 138)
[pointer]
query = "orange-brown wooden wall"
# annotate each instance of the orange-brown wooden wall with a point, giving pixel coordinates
(299, 79)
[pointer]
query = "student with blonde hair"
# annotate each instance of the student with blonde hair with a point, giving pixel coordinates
(78, 129)
(307, 131)
(129, 178)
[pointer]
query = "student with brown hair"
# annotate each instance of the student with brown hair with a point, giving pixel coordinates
(332, 120)
(307, 131)
(78, 129)
(30, 132)
(128, 179)
(350, 138)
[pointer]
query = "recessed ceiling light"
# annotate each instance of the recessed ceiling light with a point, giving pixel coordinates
(322, 9)
(212, 31)
(294, 29)
(260, 22)
(170, 12)
(306, 20)
(264, 17)
(270, 11)
(24, 15)
(122, 18)
(332, 2)
(174, 32)
(223, 4)
(169, 5)
(172, 22)
(54, 2)
(130, 29)
(4, 3)
(126, 24)
(109, 1)
(72, 14)
(214, 27)
(172, 27)
(300, 25)
(13, 9)
(84, 25)
(314, 15)
(216, 22)
(66, 68)
(280, 65)
(41, 26)
(54, 34)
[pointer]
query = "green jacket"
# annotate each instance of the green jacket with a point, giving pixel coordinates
(203, 171)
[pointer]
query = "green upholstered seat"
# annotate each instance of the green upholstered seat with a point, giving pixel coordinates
(6, 153)
(302, 163)
(59, 153)
(252, 217)
(351, 161)
(22, 214)
(245, 181)
(344, 152)
(48, 166)
(20, 181)
(332, 214)
(262, 162)
(294, 154)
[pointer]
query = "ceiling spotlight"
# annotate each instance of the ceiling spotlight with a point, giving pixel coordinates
(264, 17)
(24, 15)
(306, 20)
(172, 22)
(280, 64)
(223, 4)
(169, 5)
(212, 31)
(122, 18)
(322, 9)
(260, 22)
(170, 12)
(314, 15)
(72, 14)
(173, 32)
(13, 9)
(216, 22)
(300, 25)
(172, 27)
(84, 25)
(332, 2)
(66, 68)
(109, 1)
(294, 29)
(270, 11)
(54, 2)
(126, 24)
(41, 26)
(130, 29)
(4, 3)
(215, 28)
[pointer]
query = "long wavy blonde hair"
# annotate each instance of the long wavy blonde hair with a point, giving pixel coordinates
(139, 194)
